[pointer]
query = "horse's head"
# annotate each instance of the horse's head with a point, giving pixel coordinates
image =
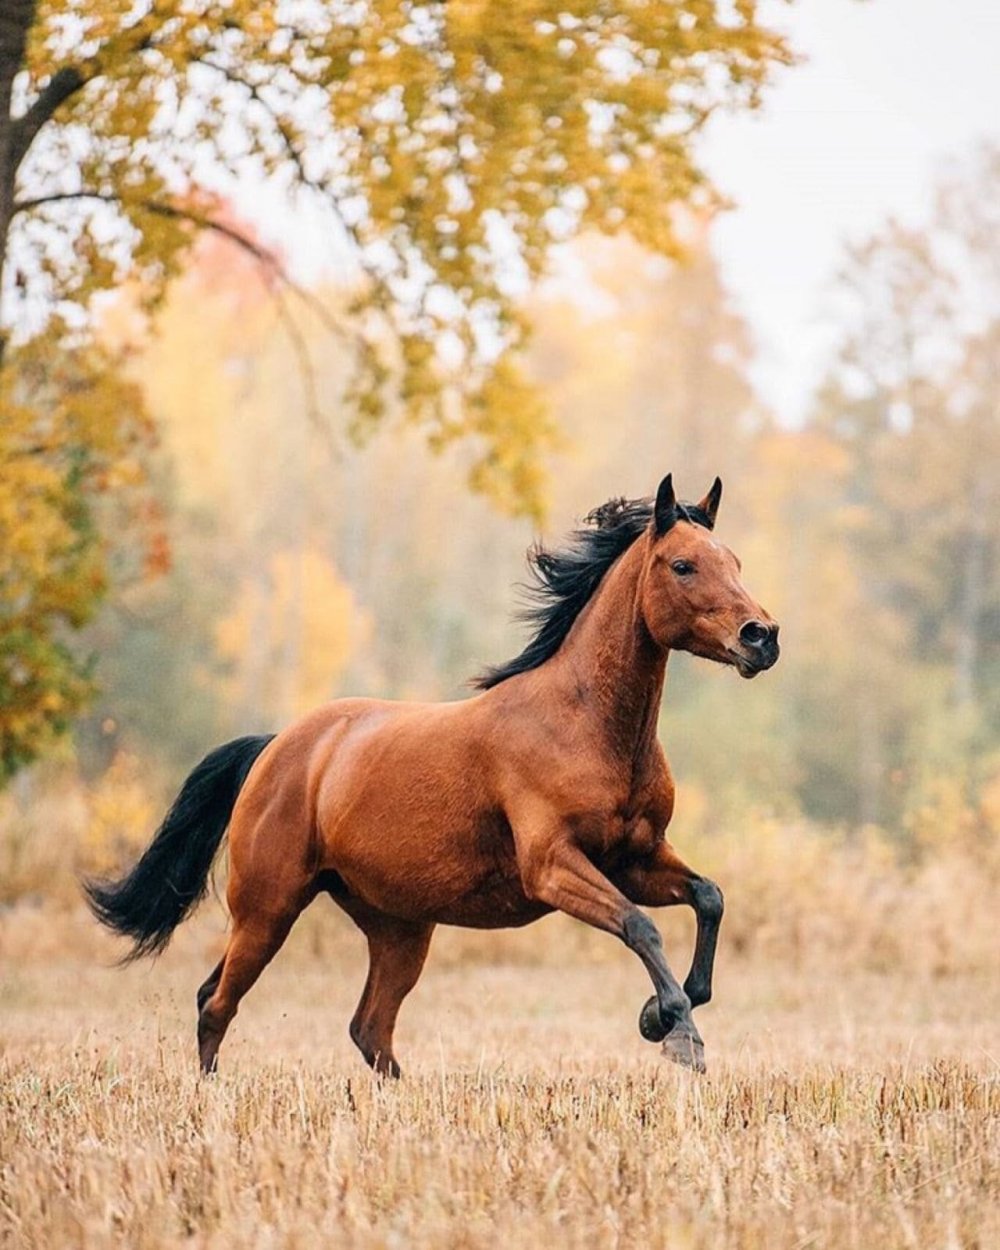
(693, 598)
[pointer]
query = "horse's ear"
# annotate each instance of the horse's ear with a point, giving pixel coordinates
(665, 508)
(710, 504)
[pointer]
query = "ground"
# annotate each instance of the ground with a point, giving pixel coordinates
(844, 1107)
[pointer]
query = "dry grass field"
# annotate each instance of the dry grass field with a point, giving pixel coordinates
(846, 1105)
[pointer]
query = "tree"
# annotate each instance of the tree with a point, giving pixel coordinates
(431, 566)
(645, 363)
(913, 399)
(71, 444)
(451, 143)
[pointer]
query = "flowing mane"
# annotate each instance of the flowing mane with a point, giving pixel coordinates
(564, 580)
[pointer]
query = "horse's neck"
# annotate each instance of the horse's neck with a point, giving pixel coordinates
(612, 660)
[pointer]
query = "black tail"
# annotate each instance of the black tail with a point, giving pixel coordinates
(171, 878)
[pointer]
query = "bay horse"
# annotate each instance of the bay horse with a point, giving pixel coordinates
(547, 791)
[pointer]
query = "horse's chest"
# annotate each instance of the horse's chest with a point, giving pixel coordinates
(633, 826)
(634, 836)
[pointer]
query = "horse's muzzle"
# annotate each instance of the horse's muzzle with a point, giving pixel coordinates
(759, 648)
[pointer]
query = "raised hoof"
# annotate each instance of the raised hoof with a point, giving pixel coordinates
(650, 1024)
(684, 1050)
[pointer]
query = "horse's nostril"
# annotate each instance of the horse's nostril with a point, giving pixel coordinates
(755, 633)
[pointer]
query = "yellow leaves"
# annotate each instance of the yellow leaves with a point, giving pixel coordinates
(36, 532)
(943, 818)
(124, 472)
(292, 630)
(509, 415)
(70, 434)
(120, 814)
(428, 129)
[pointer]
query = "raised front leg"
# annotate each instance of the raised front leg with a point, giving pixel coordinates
(557, 872)
(663, 880)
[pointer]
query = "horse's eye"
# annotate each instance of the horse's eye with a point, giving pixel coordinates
(683, 568)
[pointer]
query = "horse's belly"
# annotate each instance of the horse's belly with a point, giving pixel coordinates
(498, 902)
(440, 888)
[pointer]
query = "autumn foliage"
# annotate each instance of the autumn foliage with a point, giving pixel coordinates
(450, 146)
(73, 439)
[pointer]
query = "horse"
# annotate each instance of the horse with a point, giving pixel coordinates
(545, 791)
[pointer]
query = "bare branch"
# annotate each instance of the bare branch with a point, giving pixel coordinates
(271, 270)
(63, 84)
(280, 125)
(158, 209)
(295, 156)
(70, 79)
(261, 254)
(306, 371)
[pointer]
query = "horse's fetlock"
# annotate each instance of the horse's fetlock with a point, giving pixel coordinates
(699, 992)
(675, 1007)
(212, 1021)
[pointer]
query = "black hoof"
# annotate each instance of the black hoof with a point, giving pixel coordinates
(685, 1050)
(650, 1022)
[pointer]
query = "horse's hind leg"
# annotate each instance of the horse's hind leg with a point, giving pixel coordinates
(253, 944)
(210, 984)
(396, 951)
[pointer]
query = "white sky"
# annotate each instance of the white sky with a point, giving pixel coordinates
(891, 90)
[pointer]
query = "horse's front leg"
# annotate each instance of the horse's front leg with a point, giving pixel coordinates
(662, 879)
(558, 873)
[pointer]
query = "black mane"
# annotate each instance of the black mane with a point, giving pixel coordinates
(564, 580)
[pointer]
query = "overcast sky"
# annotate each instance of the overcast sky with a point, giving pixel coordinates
(890, 91)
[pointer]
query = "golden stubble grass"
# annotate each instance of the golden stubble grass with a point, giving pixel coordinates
(844, 1107)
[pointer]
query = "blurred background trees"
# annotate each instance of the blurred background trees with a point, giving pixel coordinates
(73, 433)
(191, 440)
(450, 145)
(871, 531)
(912, 400)
(446, 148)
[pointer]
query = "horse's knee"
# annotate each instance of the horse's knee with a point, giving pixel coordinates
(707, 900)
(639, 933)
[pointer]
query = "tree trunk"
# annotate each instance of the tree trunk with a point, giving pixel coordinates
(973, 586)
(870, 762)
(16, 17)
